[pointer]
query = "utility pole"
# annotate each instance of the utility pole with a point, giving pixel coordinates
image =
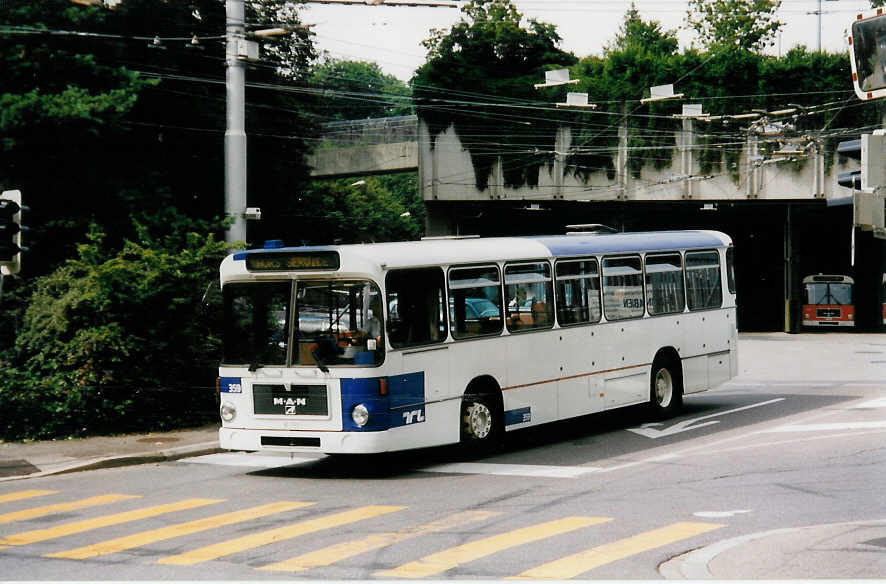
(237, 51)
(235, 132)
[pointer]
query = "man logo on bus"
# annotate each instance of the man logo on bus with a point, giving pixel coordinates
(290, 403)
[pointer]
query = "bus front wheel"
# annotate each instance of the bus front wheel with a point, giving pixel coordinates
(481, 420)
(666, 391)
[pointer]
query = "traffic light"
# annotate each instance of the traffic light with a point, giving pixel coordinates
(850, 149)
(867, 54)
(10, 232)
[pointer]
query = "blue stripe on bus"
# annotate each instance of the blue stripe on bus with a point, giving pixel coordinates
(518, 416)
(403, 405)
(576, 245)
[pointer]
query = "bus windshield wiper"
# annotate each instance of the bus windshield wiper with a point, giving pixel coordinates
(253, 367)
(320, 364)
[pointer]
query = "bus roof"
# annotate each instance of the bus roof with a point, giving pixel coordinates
(475, 250)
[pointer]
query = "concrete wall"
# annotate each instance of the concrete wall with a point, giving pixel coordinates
(446, 174)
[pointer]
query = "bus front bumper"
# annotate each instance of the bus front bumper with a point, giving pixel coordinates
(325, 442)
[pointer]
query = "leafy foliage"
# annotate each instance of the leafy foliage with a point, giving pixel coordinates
(348, 211)
(486, 62)
(361, 90)
(749, 25)
(116, 341)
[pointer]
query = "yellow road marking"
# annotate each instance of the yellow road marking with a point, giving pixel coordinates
(62, 507)
(343, 551)
(147, 537)
(448, 559)
(19, 495)
(576, 564)
(103, 521)
(274, 535)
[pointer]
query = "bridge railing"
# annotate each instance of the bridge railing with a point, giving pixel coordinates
(369, 132)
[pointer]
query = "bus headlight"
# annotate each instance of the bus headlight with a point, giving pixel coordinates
(228, 411)
(360, 415)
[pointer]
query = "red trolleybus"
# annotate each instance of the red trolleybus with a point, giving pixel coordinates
(828, 301)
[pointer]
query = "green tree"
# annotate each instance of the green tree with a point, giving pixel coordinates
(646, 36)
(360, 90)
(749, 25)
(373, 209)
(484, 62)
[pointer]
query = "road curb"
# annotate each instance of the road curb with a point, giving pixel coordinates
(694, 565)
(146, 457)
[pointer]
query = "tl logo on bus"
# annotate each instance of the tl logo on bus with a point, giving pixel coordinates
(413, 416)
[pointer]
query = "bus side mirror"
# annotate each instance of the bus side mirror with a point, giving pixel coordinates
(867, 53)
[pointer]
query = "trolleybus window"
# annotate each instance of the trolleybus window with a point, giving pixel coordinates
(623, 288)
(474, 301)
(730, 269)
(415, 307)
(339, 322)
(664, 284)
(833, 293)
(703, 287)
(530, 296)
(578, 292)
(256, 323)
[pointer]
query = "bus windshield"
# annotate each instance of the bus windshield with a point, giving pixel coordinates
(337, 322)
(828, 293)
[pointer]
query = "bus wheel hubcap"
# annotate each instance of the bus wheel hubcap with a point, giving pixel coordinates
(664, 387)
(478, 420)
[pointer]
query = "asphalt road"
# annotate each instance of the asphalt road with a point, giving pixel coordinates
(795, 441)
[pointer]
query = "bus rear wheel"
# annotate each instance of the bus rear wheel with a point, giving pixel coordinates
(666, 391)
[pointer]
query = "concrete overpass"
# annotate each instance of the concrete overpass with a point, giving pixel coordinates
(778, 199)
(366, 147)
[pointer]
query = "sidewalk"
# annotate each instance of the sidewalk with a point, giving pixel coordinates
(851, 550)
(20, 460)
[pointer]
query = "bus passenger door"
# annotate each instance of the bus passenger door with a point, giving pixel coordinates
(577, 387)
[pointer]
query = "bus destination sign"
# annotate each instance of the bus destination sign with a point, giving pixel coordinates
(283, 261)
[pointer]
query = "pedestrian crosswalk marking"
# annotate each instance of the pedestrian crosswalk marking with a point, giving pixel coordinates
(440, 562)
(63, 507)
(103, 521)
(276, 535)
(19, 495)
(577, 564)
(343, 551)
(147, 537)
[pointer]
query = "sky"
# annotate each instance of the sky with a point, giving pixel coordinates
(391, 35)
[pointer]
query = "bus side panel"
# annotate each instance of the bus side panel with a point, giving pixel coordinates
(470, 360)
(438, 424)
(628, 353)
(532, 376)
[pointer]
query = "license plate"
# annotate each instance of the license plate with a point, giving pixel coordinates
(296, 400)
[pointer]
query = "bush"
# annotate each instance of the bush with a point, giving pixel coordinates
(116, 342)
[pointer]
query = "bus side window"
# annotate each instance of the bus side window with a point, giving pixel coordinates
(530, 296)
(415, 307)
(623, 288)
(578, 292)
(475, 301)
(703, 287)
(664, 284)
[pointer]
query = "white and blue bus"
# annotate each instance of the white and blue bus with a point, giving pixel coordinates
(391, 346)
